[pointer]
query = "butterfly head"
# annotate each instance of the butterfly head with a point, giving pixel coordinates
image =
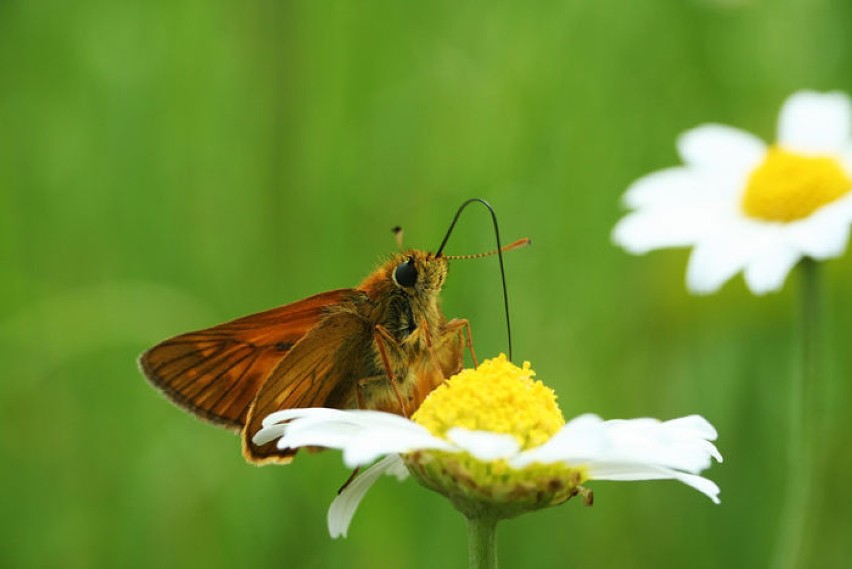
(418, 273)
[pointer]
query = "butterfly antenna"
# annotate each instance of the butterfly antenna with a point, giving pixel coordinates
(499, 253)
(510, 247)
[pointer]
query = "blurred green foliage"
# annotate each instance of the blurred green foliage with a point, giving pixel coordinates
(166, 165)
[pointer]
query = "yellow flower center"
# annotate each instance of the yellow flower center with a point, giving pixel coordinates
(498, 396)
(789, 186)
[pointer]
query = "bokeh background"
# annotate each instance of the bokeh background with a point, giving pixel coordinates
(167, 165)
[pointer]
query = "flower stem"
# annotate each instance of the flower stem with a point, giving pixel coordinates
(793, 530)
(481, 533)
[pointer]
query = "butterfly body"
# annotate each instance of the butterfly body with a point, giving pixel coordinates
(383, 345)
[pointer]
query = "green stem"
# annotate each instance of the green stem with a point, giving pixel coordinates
(793, 531)
(481, 533)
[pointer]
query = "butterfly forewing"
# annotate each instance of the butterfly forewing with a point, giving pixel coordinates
(216, 373)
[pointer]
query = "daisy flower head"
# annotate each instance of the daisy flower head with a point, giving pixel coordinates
(494, 442)
(743, 205)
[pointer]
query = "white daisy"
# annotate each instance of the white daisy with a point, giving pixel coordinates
(494, 442)
(743, 205)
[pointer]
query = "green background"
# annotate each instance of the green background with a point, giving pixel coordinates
(167, 165)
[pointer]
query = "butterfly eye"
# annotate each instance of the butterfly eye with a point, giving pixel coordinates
(405, 274)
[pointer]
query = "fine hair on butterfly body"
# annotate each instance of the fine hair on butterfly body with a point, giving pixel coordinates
(383, 345)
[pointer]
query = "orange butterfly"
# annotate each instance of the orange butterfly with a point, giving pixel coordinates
(383, 345)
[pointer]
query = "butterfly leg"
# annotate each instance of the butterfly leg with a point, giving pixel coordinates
(380, 336)
(359, 394)
(461, 326)
(424, 329)
(349, 480)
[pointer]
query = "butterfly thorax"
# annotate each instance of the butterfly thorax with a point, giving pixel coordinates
(404, 303)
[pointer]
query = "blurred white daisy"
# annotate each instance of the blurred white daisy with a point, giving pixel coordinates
(494, 442)
(743, 205)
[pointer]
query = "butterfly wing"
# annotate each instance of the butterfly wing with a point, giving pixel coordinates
(217, 372)
(322, 370)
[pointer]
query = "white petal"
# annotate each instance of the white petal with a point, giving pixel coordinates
(636, 449)
(768, 270)
(288, 414)
(815, 123)
(677, 207)
(624, 473)
(484, 445)
(650, 442)
(580, 438)
(681, 443)
(371, 445)
(693, 425)
(363, 436)
(268, 434)
(664, 187)
(720, 147)
(343, 507)
(718, 258)
(643, 231)
(824, 234)
(703, 485)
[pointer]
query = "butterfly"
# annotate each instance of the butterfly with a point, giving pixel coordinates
(383, 345)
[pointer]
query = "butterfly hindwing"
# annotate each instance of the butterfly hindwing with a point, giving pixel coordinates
(320, 371)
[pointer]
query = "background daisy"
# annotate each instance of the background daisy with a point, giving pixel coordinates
(746, 206)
